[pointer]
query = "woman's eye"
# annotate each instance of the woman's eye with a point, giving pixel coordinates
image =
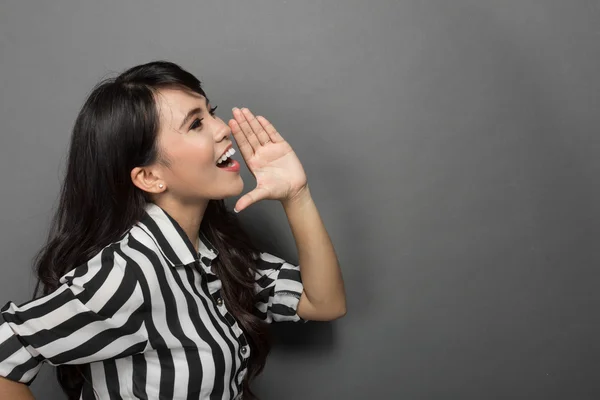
(197, 123)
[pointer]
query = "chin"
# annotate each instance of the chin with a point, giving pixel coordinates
(239, 186)
(235, 189)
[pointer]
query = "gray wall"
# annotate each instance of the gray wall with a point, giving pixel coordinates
(452, 147)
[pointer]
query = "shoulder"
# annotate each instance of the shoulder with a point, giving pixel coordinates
(137, 245)
(265, 261)
(107, 284)
(270, 264)
(129, 257)
(265, 257)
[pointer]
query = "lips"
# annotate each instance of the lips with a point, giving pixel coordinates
(232, 166)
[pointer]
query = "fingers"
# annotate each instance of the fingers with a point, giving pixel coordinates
(256, 127)
(250, 198)
(270, 129)
(245, 129)
(243, 144)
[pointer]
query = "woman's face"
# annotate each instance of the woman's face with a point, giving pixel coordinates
(192, 141)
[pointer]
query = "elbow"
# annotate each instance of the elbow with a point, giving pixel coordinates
(326, 314)
(337, 308)
(328, 310)
(342, 311)
(337, 312)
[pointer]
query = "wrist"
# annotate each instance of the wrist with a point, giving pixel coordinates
(300, 198)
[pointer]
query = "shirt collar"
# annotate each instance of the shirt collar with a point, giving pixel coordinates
(172, 240)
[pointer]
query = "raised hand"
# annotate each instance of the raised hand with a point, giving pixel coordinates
(278, 171)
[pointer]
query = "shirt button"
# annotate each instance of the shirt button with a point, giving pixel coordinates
(219, 301)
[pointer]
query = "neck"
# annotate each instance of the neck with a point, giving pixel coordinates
(188, 215)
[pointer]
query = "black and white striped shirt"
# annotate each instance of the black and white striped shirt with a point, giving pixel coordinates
(147, 319)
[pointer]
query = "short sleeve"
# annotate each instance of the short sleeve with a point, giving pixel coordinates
(278, 288)
(96, 314)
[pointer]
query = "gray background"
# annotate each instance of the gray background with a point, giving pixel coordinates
(452, 147)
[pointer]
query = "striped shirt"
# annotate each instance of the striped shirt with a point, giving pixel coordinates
(146, 318)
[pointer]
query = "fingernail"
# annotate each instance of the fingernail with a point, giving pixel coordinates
(235, 108)
(235, 210)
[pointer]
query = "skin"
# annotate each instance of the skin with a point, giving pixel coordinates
(187, 177)
(10, 390)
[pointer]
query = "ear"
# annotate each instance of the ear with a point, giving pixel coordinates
(148, 179)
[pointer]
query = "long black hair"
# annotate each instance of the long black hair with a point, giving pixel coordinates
(116, 131)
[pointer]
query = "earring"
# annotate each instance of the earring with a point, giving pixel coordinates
(160, 185)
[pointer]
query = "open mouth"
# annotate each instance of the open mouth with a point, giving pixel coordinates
(225, 160)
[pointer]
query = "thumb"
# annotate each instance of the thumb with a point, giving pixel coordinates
(250, 198)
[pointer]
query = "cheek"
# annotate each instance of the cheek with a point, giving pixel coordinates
(197, 154)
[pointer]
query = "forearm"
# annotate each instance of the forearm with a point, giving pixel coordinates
(10, 390)
(319, 267)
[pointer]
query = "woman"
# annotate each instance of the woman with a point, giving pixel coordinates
(151, 288)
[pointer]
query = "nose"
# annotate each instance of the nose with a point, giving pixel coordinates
(223, 130)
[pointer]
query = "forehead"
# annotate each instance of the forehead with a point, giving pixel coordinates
(174, 104)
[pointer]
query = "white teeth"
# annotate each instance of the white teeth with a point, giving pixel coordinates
(225, 156)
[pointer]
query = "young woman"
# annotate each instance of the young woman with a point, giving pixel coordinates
(151, 290)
